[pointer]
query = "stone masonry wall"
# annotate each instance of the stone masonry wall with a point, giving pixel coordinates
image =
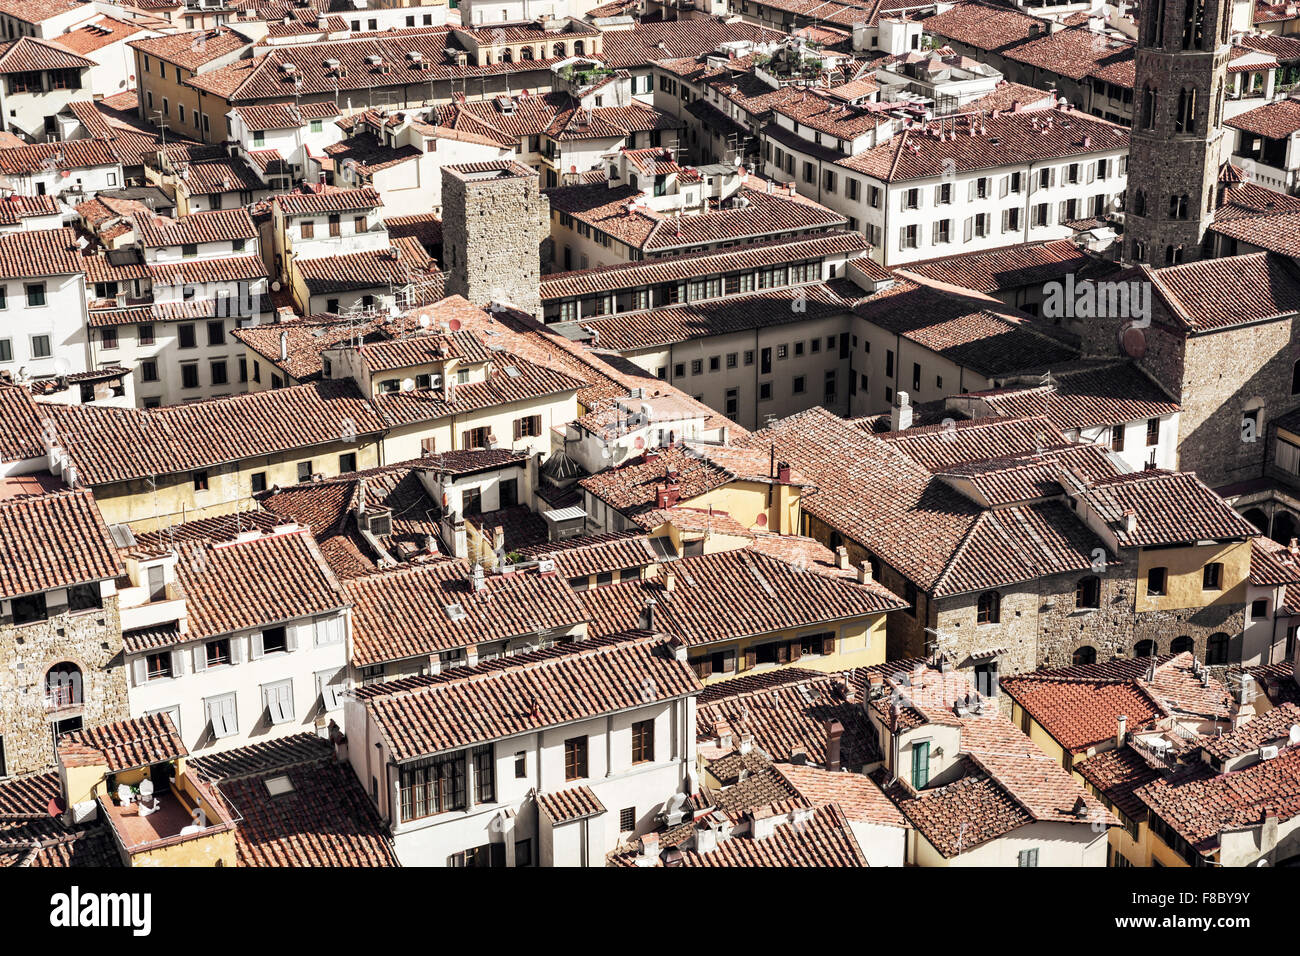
(492, 230)
(90, 639)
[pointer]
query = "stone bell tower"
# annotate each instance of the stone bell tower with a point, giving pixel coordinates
(1181, 64)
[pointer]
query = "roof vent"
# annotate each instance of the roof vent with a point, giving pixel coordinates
(455, 612)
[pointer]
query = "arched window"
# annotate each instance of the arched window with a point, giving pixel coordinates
(1149, 103)
(1156, 25)
(1173, 255)
(526, 53)
(1144, 649)
(1216, 649)
(1087, 592)
(1084, 655)
(1178, 206)
(507, 55)
(579, 48)
(558, 50)
(1194, 24)
(1182, 645)
(63, 686)
(988, 609)
(1139, 203)
(1139, 251)
(1185, 121)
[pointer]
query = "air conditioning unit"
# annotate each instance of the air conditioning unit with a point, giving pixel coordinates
(1268, 752)
(545, 566)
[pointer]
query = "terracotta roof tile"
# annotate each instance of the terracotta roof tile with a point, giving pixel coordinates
(53, 541)
(589, 679)
(565, 806)
(127, 744)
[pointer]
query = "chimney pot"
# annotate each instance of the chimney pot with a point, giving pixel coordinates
(842, 557)
(670, 580)
(865, 575)
(1121, 730)
(1130, 521)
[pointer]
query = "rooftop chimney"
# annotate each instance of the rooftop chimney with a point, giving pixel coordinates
(1130, 521)
(1121, 730)
(1246, 693)
(284, 346)
(670, 580)
(842, 558)
(834, 731)
(900, 416)
(864, 572)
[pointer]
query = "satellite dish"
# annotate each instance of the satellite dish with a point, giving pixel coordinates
(761, 520)
(425, 321)
(275, 286)
(1294, 736)
(454, 325)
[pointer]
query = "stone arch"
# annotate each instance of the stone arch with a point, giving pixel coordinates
(1216, 648)
(1284, 527)
(1182, 644)
(1084, 654)
(1146, 648)
(1258, 518)
(64, 684)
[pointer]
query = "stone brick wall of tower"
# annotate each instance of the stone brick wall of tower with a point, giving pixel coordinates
(492, 232)
(1165, 163)
(90, 639)
(1225, 374)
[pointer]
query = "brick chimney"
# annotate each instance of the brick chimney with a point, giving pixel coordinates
(834, 731)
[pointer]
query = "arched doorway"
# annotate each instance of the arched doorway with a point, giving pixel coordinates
(1216, 649)
(1258, 518)
(1284, 527)
(1182, 644)
(1145, 649)
(1084, 655)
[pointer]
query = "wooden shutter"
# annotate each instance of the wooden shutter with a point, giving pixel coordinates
(426, 446)
(970, 191)
(729, 662)
(537, 425)
(466, 439)
(1004, 187)
(796, 650)
(968, 229)
(783, 653)
(751, 657)
(256, 653)
(1006, 219)
(200, 658)
(828, 644)
(1092, 172)
(702, 667)
(139, 671)
(1062, 213)
(236, 650)
(934, 233)
(178, 662)
(519, 428)
(291, 638)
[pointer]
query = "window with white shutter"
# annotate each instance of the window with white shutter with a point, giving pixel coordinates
(221, 715)
(139, 671)
(178, 661)
(329, 630)
(277, 699)
(330, 686)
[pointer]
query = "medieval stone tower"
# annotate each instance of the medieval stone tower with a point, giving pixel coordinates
(1182, 59)
(494, 220)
